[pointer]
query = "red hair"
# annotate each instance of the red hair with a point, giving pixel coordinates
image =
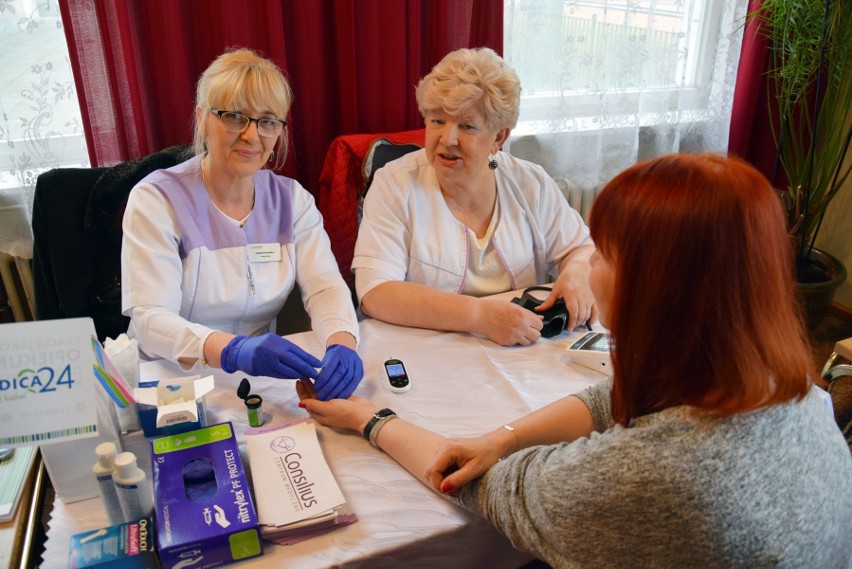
(703, 310)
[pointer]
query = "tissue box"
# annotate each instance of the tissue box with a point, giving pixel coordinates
(172, 406)
(127, 545)
(203, 507)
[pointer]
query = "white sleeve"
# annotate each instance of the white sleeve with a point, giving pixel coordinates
(564, 228)
(325, 295)
(384, 237)
(152, 279)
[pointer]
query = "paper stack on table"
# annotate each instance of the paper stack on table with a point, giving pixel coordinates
(295, 491)
(14, 472)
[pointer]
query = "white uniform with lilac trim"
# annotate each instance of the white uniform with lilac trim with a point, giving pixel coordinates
(187, 270)
(409, 234)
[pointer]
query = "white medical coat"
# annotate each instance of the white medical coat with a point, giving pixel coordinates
(187, 270)
(409, 234)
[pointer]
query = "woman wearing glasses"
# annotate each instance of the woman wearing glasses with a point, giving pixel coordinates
(213, 247)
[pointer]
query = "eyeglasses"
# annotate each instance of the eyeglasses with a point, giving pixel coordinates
(235, 122)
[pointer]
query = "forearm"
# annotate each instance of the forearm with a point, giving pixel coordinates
(411, 446)
(419, 450)
(577, 260)
(163, 333)
(342, 338)
(213, 347)
(328, 302)
(421, 306)
(564, 420)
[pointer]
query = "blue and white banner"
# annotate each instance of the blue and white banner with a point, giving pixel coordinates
(47, 387)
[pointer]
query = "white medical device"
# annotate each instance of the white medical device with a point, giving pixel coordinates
(592, 351)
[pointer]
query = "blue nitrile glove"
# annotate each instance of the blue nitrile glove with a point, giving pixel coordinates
(341, 373)
(270, 355)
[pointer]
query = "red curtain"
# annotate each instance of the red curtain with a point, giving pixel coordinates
(353, 64)
(750, 135)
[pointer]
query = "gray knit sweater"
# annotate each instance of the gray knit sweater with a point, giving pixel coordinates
(769, 488)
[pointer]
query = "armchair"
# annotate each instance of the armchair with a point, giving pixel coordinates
(839, 378)
(349, 163)
(76, 220)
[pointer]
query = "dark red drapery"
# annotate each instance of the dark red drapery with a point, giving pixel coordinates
(353, 64)
(750, 136)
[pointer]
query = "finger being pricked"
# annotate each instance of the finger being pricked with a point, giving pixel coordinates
(305, 389)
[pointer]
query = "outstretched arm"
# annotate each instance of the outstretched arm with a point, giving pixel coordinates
(448, 464)
(421, 306)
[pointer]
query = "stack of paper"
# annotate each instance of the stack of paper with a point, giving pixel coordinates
(13, 478)
(295, 491)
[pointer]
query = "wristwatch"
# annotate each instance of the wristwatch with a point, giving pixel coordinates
(379, 416)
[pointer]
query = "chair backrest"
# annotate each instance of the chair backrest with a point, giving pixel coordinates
(77, 215)
(342, 183)
(839, 378)
(380, 153)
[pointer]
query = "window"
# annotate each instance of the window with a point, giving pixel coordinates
(579, 59)
(607, 83)
(40, 124)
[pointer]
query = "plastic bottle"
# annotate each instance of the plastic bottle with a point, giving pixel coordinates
(131, 484)
(103, 470)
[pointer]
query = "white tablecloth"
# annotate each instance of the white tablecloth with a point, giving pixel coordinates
(462, 385)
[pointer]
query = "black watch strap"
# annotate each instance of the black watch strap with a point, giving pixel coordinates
(375, 419)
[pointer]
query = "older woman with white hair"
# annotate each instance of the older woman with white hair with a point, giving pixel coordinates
(460, 220)
(213, 246)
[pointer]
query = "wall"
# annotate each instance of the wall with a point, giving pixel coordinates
(836, 234)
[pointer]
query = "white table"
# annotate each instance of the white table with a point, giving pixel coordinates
(462, 385)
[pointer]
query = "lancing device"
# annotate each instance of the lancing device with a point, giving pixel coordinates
(253, 403)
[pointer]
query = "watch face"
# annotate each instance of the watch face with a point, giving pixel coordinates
(384, 413)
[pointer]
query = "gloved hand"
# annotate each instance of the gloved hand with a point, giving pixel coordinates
(270, 355)
(341, 373)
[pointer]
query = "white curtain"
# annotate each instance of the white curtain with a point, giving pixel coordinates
(40, 124)
(40, 128)
(608, 83)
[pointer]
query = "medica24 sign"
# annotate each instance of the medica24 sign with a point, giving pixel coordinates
(48, 391)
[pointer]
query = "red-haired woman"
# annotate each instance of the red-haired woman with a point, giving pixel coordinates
(709, 446)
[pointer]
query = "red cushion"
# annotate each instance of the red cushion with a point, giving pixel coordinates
(341, 182)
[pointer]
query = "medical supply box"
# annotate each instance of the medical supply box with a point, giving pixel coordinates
(172, 406)
(124, 546)
(203, 507)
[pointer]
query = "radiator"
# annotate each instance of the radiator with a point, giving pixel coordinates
(580, 198)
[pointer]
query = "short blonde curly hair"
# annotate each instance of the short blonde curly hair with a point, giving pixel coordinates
(241, 79)
(472, 79)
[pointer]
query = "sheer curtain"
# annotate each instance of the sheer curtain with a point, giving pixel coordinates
(40, 128)
(608, 83)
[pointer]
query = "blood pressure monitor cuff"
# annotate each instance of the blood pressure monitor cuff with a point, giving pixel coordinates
(555, 319)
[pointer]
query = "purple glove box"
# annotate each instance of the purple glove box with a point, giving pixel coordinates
(210, 526)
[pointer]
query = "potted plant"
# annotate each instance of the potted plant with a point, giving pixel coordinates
(810, 96)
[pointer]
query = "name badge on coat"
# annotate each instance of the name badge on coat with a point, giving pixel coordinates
(264, 252)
